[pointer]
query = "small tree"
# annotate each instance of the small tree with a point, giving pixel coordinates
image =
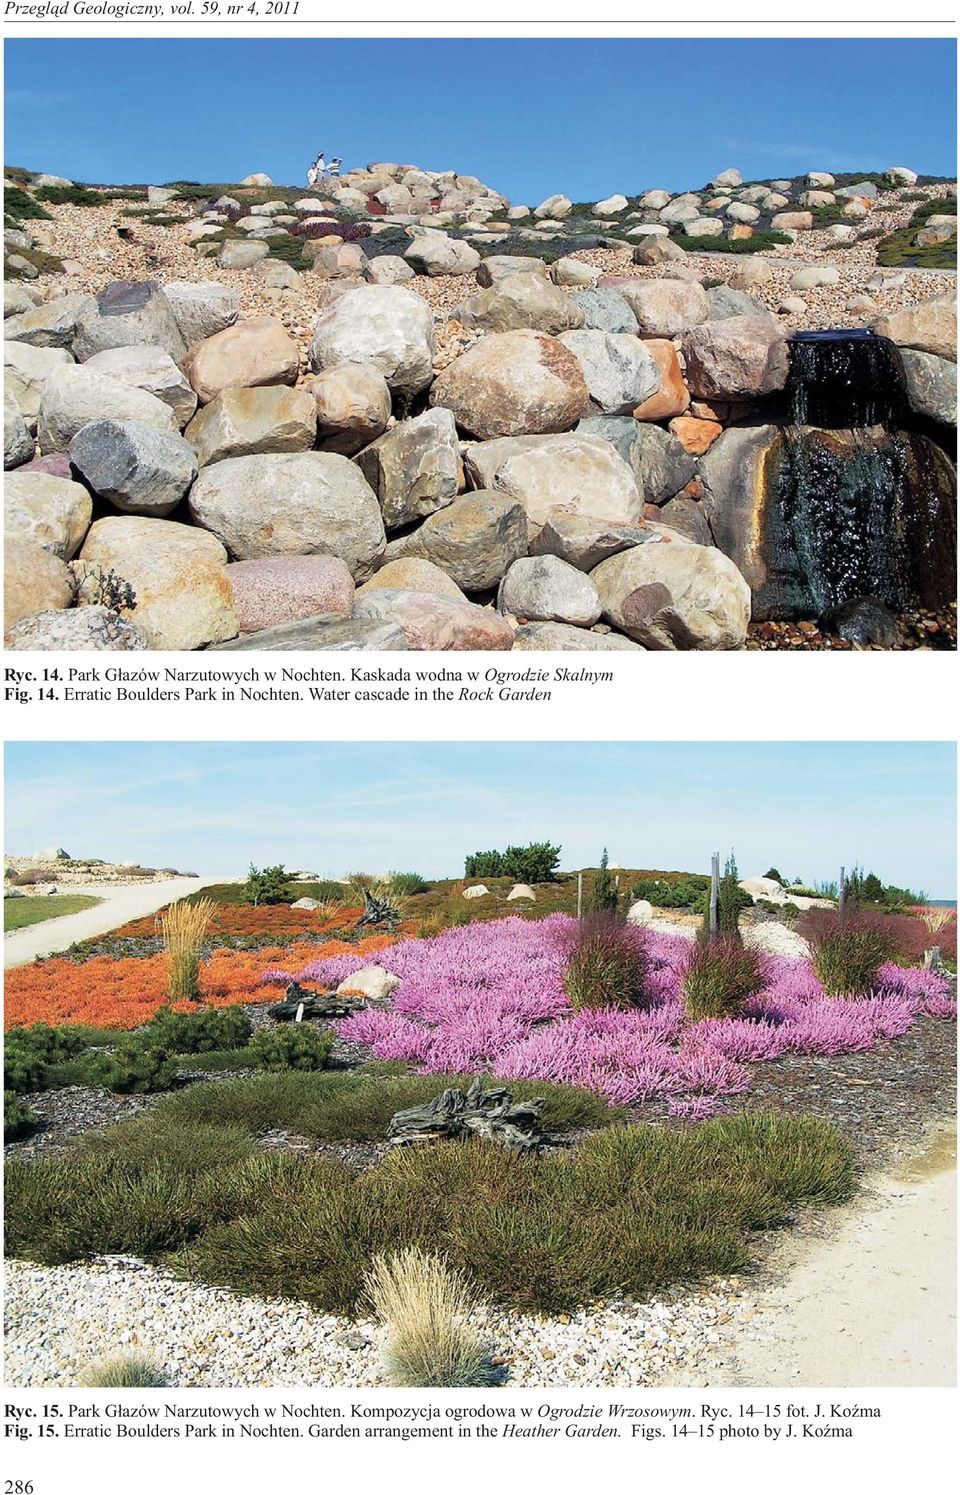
(731, 900)
(267, 884)
(773, 875)
(604, 898)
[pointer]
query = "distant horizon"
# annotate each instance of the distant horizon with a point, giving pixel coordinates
(587, 117)
(805, 808)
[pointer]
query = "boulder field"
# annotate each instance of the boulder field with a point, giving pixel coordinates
(557, 461)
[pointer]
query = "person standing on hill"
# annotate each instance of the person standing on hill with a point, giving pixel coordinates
(315, 174)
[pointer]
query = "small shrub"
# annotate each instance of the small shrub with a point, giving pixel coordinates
(537, 862)
(706, 244)
(268, 884)
(136, 1067)
(183, 928)
(604, 899)
(29, 1053)
(774, 875)
(847, 949)
(686, 892)
(18, 1120)
(20, 206)
(607, 965)
(425, 1307)
(407, 883)
(96, 587)
(292, 1046)
(132, 1369)
(200, 1032)
(720, 976)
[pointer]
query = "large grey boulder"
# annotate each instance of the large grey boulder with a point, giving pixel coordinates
(18, 299)
(930, 327)
(241, 422)
(128, 313)
(577, 473)
(619, 370)
(151, 369)
(249, 355)
(474, 539)
(557, 206)
(183, 598)
(725, 302)
(414, 468)
(25, 371)
(137, 468)
(524, 299)
(88, 630)
(675, 596)
(332, 636)
(513, 384)
(660, 463)
(497, 267)
(302, 503)
(430, 621)
(435, 254)
(17, 441)
(583, 542)
(52, 325)
(658, 249)
(389, 270)
(388, 326)
(74, 395)
(736, 358)
(50, 511)
(241, 254)
(931, 385)
(353, 406)
(201, 308)
(549, 638)
(545, 589)
(665, 308)
(606, 310)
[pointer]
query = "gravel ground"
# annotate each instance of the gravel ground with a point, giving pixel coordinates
(206, 1336)
(88, 236)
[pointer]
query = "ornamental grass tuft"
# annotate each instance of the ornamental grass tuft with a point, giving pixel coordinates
(183, 928)
(425, 1307)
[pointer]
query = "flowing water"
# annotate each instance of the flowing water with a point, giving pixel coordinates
(864, 506)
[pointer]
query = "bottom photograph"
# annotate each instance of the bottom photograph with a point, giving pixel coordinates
(658, 1091)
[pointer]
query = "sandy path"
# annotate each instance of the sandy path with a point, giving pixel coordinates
(130, 901)
(875, 1303)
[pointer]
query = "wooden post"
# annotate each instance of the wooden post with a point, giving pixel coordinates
(580, 895)
(714, 895)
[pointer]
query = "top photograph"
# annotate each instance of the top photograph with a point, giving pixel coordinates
(528, 345)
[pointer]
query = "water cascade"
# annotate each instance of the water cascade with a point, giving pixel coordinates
(859, 504)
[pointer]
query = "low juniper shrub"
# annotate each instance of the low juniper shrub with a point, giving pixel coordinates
(18, 1120)
(200, 1032)
(137, 1066)
(293, 1046)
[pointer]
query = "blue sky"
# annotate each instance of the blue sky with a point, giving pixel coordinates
(213, 808)
(531, 117)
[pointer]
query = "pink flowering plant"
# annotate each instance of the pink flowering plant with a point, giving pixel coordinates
(491, 997)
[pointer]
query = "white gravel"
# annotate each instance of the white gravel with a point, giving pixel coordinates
(60, 1319)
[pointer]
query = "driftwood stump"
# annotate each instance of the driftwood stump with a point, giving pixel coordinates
(313, 1004)
(378, 911)
(490, 1115)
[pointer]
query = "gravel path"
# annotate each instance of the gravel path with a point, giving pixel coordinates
(209, 1337)
(873, 1304)
(119, 903)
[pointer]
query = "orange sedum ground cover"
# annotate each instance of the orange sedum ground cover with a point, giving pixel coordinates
(124, 993)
